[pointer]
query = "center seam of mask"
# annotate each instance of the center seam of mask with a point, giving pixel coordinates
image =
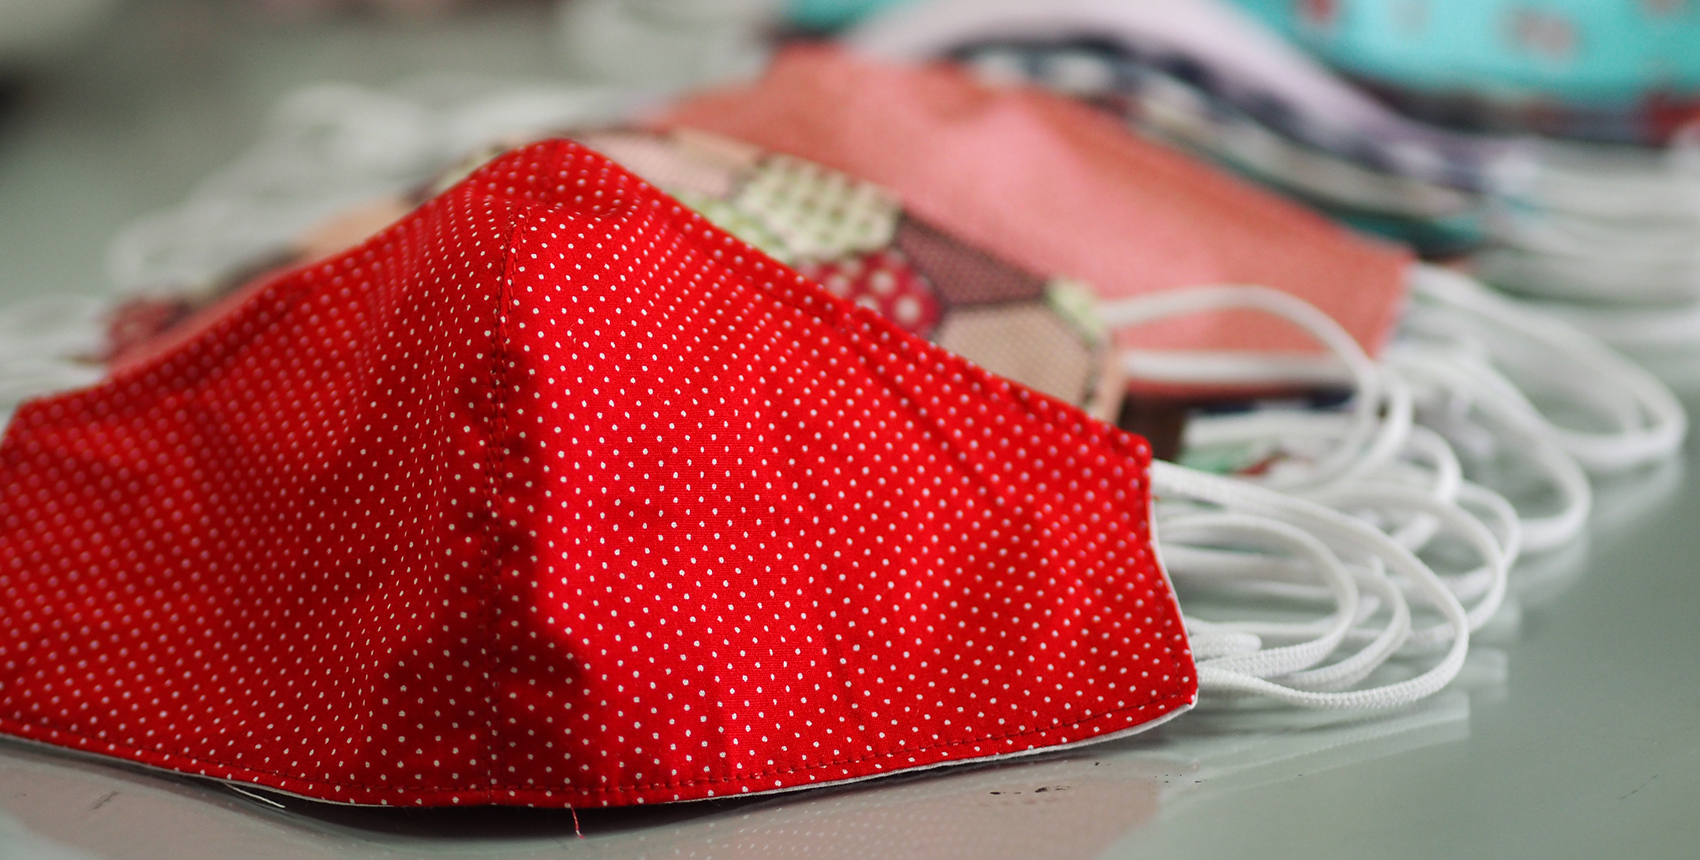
(497, 454)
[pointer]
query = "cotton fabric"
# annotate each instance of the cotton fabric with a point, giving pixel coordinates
(1053, 186)
(555, 494)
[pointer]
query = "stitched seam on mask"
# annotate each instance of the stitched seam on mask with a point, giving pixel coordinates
(495, 461)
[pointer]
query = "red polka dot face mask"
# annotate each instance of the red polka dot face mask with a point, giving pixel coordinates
(553, 493)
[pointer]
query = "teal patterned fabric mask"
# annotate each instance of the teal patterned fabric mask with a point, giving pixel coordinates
(832, 14)
(1614, 70)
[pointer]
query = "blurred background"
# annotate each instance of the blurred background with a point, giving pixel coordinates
(112, 108)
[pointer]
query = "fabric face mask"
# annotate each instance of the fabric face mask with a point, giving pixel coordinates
(377, 630)
(1074, 194)
(1182, 73)
(1656, 420)
(1216, 49)
(554, 494)
(1154, 97)
(1610, 70)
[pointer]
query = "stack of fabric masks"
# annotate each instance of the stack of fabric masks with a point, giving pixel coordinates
(1602, 236)
(1615, 71)
(622, 470)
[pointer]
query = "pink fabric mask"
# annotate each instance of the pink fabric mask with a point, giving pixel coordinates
(554, 494)
(1055, 187)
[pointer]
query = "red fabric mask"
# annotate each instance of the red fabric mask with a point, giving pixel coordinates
(554, 494)
(1057, 187)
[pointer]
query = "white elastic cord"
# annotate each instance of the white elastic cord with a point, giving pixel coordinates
(1377, 649)
(1650, 422)
(1355, 540)
(1634, 330)
(1444, 475)
(1605, 225)
(1483, 586)
(1457, 385)
(1621, 184)
(1373, 466)
(1265, 578)
(1366, 436)
(1317, 641)
(1486, 584)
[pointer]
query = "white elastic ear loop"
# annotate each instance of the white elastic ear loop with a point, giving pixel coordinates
(1632, 329)
(1618, 184)
(1568, 357)
(1333, 527)
(1506, 528)
(1319, 428)
(1260, 575)
(1486, 583)
(1378, 647)
(1484, 587)
(1271, 577)
(1383, 463)
(1504, 406)
(1443, 478)
(1349, 456)
(1218, 528)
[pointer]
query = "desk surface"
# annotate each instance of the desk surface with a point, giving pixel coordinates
(1576, 731)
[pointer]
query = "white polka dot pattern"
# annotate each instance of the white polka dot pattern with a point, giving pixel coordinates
(555, 494)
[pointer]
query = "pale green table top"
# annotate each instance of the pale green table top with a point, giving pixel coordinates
(1576, 732)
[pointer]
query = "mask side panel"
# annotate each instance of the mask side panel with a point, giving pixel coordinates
(759, 538)
(260, 555)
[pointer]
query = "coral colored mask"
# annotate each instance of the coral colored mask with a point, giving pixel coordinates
(553, 493)
(1054, 186)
